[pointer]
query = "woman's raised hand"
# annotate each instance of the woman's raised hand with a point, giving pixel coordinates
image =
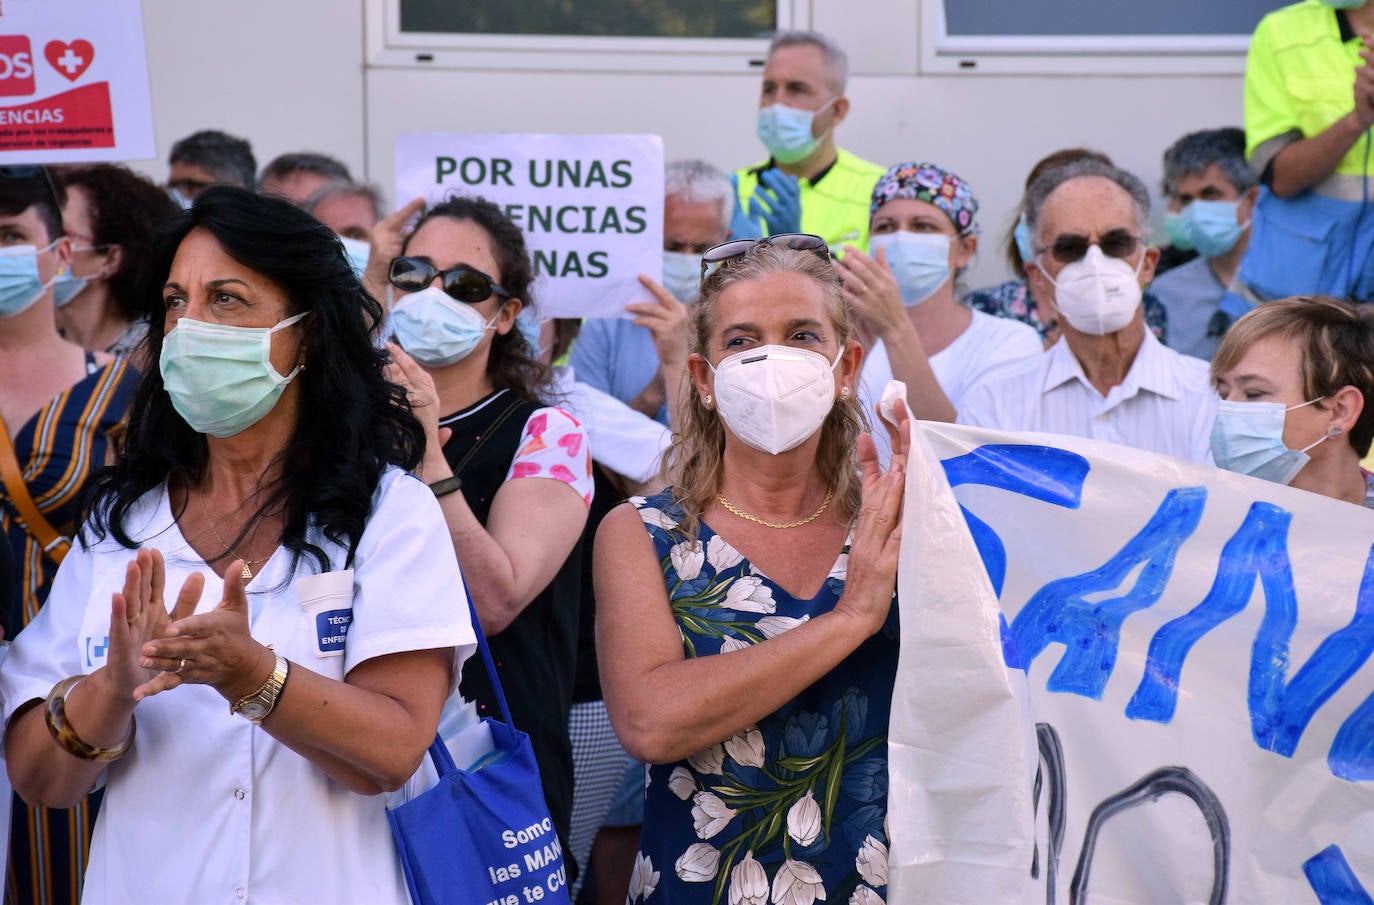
(406, 373)
(138, 615)
(872, 290)
(214, 648)
(872, 570)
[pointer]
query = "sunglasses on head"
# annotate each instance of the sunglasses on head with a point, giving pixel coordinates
(25, 173)
(462, 282)
(739, 248)
(1117, 243)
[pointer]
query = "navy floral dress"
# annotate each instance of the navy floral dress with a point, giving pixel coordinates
(792, 810)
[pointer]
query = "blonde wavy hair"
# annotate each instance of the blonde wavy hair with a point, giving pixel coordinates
(692, 465)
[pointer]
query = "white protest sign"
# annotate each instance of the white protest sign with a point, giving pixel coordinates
(73, 82)
(1192, 648)
(591, 206)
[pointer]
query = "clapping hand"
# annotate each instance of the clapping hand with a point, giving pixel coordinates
(872, 291)
(214, 648)
(872, 574)
(1364, 82)
(138, 615)
(388, 236)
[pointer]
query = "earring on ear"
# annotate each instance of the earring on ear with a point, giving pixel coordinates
(1335, 430)
(707, 400)
(844, 392)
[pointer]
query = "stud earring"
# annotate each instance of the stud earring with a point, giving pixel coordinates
(1335, 430)
(707, 400)
(844, 392)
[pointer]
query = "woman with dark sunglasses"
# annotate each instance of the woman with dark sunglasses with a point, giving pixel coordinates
(512, 473)
(746, 622)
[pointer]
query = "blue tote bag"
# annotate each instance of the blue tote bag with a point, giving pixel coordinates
(482, 835)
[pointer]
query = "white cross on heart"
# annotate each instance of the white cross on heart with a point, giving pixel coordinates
(69, 60)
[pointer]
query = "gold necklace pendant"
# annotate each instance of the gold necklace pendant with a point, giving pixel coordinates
(247, 573)
(734, 510)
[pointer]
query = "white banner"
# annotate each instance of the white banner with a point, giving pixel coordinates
(1170, 703)
(73, 82)
(591, 206)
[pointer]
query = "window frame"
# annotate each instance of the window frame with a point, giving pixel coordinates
(388, 46)
(943, 54)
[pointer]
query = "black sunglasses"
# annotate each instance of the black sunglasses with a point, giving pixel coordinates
(739, 248)
(1116, 244)
(463, 283)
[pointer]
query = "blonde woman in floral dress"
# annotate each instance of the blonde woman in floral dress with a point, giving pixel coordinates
(746, 620)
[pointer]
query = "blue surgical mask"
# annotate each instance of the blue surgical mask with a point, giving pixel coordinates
(529, 324)
(1177, 233)
(1247, 438)
(919, 261)
(786, 131)
(221, 378)
(68, 285)
(436, 329)
(20, 286)
(1021, 235)
(1211, 226)
(181, 200)
(357, 252)
(1344, 4)
(682, 275)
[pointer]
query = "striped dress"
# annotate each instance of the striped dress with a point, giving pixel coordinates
(58, 449)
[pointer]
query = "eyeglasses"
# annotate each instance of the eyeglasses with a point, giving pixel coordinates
(739, 248)
(190, 188)
(463, 283)
(1117, 243)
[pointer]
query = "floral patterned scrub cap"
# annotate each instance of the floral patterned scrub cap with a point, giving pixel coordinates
(931, 183)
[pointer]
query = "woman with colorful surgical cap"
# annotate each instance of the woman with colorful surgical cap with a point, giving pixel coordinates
(923, 231)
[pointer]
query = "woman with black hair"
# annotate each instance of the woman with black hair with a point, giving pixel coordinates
(286, 564)
(523, 467)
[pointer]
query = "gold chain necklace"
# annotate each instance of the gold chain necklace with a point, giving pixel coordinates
(247, 563)
(825, 504)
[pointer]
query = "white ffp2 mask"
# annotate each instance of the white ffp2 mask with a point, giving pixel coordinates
(775, 397)
(1097, 294)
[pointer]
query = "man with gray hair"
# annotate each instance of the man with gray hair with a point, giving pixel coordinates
(641, 361)
(296, 175)
(1107, 378)
(207, 158)
(808, 184)
(1211, 192)
(350, 209)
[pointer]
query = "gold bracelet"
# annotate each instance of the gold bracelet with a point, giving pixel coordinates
(63, 733)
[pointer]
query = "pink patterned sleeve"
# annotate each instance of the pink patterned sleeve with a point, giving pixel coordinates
(554, 445)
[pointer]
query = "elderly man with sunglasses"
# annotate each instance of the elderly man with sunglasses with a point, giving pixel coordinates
(1108, 378)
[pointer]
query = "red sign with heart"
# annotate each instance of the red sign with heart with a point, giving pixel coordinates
(69, 59)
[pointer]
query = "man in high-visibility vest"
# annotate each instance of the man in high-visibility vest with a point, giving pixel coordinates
(808, 184)
(1309, 108)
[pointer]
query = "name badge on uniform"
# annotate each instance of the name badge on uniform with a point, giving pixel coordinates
(327, 599)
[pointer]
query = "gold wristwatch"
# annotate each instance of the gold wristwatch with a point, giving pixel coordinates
(259, 704)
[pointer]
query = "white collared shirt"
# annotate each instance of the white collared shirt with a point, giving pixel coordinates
(206, 806)
(624, 440)
(1166, 403)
